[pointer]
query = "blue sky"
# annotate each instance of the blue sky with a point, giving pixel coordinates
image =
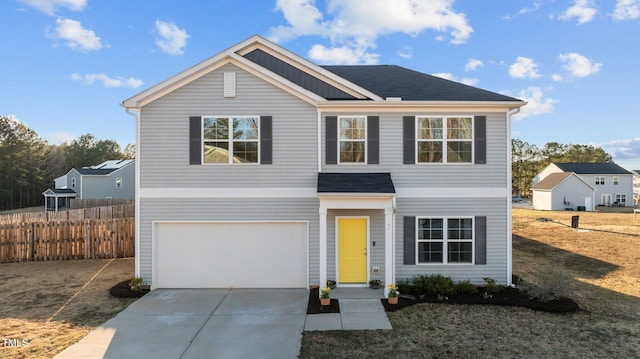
(68, 64)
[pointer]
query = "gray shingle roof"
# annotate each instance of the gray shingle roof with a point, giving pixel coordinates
(94, 171)
(61, 191)
(383, 80)
(355, 183)
(551, 181)
(608, 168)
(395, 81)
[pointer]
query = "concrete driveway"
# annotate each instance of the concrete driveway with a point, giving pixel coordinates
(202, 323)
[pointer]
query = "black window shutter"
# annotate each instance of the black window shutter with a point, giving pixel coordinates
(331, 140)
(373, 140)
(195, 140)
(409, 240)
(266, 140)
(480, 137)
(409, 140)
(481, 239)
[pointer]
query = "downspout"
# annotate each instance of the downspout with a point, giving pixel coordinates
(509, 204)
(137, 188)
(319, 141)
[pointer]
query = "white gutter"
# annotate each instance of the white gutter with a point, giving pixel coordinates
(137, 188)
(319, 141)
(509, 204)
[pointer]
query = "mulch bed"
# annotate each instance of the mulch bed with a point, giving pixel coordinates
(508, 296)
(314, 307)
(123, 290)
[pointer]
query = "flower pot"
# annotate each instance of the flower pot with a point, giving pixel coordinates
(392, 300)
(374, 286)
(325, 301)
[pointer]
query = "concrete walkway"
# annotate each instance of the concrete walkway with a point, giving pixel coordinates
(360, 309)
(202, 323)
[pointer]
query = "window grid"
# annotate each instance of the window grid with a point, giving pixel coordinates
(621, 199)
(231, 140)
(444, 240)
(600, 180)
(616, 179)
(352, 139)
(442, 139)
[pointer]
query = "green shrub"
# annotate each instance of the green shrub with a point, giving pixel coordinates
(136, 284)
(434, 285)
(465, 287)
(491, 287)
(405, 286)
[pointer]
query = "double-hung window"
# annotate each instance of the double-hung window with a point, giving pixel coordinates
(352, 136)
(444, 139)
(616, 179)
(444, 240)
(599, 180)
(621, 199)
(232, 139)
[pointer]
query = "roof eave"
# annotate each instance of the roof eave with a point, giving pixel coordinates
(408, 105)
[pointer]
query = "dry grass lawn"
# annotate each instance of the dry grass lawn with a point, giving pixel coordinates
(37, 309)
(599, 268)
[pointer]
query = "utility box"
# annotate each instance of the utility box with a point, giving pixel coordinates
(574, 221)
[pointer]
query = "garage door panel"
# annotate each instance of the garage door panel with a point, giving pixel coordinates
(223, 255)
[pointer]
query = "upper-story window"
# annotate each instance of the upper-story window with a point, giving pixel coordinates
(599, 180)
(444, 139)
(118, 182)
(73, 182)
(353, 139)
(616, 179)
(232, 139)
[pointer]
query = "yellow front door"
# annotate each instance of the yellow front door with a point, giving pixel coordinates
(352, 250)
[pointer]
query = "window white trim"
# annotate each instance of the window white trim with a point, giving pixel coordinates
(600, 180)
(230, 139)
(444, 140)
(118, 182)
(616, 180)
(365, 140)
(73, 182)
(445, 240)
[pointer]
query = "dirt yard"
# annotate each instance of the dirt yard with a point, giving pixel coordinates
(47, 306)
(597, 265)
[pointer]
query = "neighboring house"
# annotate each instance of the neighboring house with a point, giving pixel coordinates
(113, 179)
(258, 168)
(636, 186)
(563, 191)
(613, 184)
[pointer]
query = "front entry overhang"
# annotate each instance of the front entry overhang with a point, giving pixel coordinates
(363, 191)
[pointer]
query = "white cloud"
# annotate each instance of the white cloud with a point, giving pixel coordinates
(537, 103)
(584, 10)
(343, 55)
(406, 52)
(172, 39)
(61, 137)
(107, 81)
(524, 67)
(77, 37)
(450, 77)
(50, 7)
(626, 10)
(557, 77)
(357, 24)
(525, 10)
(578, 65)
(626, 149)
(473, 64)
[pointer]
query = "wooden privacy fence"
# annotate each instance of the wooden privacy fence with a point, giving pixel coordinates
(58, 240)
(107, 212)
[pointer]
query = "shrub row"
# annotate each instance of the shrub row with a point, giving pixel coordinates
(440, 286)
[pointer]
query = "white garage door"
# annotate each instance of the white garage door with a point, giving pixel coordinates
(224, 255)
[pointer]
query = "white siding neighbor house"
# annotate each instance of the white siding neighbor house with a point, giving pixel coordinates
(613, 184)
(114, 179)
(257, 168)
(636, 187)
(563, 191)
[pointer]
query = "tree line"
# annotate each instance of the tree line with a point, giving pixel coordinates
(527, 160)
(29, 164)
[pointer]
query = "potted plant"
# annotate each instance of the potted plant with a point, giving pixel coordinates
(375, 283)
(393, 294)
(324, 296)
(331, 284)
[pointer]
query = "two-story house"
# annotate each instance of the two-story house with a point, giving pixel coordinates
(114, 179)
(257, 168)
(613, 184)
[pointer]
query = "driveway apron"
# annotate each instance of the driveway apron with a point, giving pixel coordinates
(202, 323)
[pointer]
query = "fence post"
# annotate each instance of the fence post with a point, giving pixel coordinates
(87, 240)
(33, 241)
